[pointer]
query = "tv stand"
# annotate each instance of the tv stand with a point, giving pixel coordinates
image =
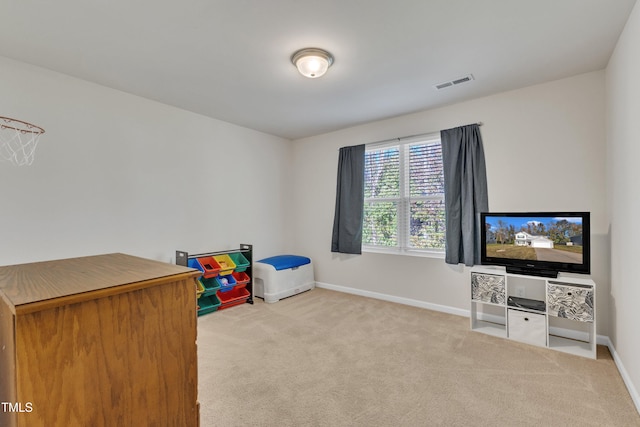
(532, 272)
(556, 312)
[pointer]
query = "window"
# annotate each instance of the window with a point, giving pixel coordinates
(404, 197)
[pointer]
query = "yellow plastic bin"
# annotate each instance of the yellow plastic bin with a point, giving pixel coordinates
(226, 264)
(199, 288)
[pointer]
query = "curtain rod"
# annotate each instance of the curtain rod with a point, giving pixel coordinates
(402, 138)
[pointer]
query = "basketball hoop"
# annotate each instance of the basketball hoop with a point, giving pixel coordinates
(18, 141)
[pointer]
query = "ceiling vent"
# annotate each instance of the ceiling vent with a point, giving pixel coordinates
(455, 82)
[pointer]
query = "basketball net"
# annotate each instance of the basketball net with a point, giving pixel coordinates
(18, 141)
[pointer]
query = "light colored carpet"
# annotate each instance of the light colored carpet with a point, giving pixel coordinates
(324, 358)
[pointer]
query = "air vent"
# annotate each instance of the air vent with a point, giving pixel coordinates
(443, 85)
(455, 82)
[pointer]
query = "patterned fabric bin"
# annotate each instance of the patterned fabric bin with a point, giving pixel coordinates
(570, 302)
(488, 288)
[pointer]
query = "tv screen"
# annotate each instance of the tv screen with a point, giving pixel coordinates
(537, 243)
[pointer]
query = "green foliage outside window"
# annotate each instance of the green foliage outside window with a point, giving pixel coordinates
(399, 213)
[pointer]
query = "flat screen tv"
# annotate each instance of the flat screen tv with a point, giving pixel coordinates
(537, 243)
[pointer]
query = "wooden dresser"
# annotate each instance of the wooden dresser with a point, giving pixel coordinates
(107, 340)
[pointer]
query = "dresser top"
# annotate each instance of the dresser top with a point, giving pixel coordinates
(50, 280)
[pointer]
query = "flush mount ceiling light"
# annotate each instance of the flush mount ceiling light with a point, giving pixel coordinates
(312, 62)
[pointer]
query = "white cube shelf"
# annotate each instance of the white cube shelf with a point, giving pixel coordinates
(566, 321)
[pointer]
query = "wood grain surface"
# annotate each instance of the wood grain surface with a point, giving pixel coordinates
(123, 355)
(37, 286)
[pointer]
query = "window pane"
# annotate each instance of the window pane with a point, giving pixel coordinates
(380, 224)
(427, 224)
(382, 173)
(404, 195)
(426, 177)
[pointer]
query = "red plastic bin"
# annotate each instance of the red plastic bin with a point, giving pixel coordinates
(242, 278)
(236, 296)
(210, 266)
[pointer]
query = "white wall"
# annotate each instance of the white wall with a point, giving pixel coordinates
(560, 125)
(118, 173)
(623, 129)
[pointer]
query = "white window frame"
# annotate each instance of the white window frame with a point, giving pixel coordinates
(403, 217)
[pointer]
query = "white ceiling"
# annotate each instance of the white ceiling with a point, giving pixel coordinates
(230, 59)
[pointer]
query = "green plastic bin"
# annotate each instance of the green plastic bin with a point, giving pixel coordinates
(211, 286)
(208, 304)
(240, 260)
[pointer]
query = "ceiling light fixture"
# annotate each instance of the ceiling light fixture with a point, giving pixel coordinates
(312, 62)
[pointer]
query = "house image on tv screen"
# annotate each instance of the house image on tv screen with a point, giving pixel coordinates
(523, 238)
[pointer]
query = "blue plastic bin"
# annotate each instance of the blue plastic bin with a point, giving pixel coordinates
(226, 283)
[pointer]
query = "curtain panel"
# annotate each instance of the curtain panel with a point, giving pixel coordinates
(348, 217)
(465, 193)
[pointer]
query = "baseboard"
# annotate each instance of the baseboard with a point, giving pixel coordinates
(600, 339)
(633, 392)
(391, 298)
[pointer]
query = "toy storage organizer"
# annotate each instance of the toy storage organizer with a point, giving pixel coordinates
(226, 279)
(282, 276)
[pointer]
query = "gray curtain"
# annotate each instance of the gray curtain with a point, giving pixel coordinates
(465, 192)
(347, 221)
